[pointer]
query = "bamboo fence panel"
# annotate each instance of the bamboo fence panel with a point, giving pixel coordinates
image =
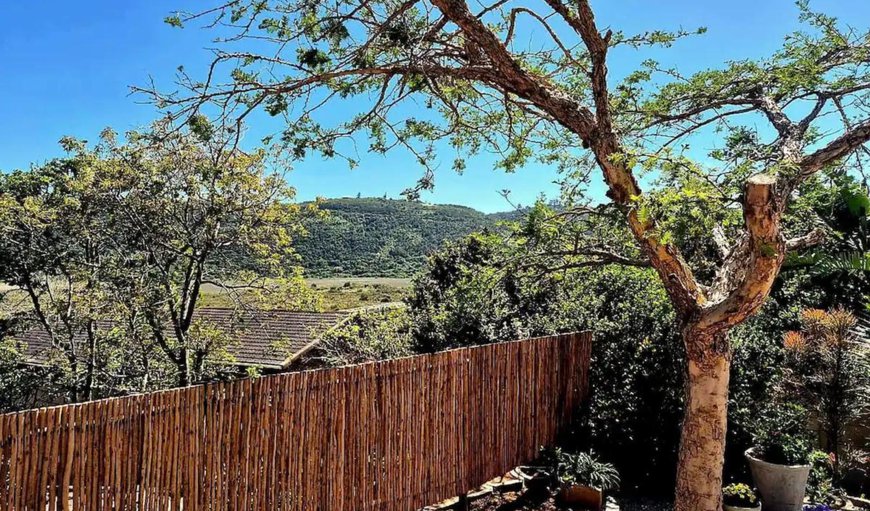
(394, 435)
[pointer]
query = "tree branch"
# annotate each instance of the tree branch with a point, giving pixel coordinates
(838, 148)
(745, 278)
(810, 239)
(721, 241)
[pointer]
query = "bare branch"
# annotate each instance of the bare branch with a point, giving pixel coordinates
(838, 148)
(810, 239)
(721, 241)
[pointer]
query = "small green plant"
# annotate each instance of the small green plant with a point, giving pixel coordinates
(820, 484)
(739, 495)
(581, 468)
(782, 435)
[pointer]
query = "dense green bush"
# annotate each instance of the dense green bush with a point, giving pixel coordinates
(367, 336)
(464, 298)
(636, 374)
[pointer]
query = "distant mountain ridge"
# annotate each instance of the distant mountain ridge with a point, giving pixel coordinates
(375, 237)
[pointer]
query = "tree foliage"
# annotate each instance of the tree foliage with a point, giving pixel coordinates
(552, 98)
(115, 242)
(367, 336)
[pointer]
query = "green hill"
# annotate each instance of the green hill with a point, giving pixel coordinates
(382, 237)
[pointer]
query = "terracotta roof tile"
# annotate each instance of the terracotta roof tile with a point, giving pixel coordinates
(263, 338)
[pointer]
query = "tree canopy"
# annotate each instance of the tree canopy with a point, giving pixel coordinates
(115, 242)
(480, 86)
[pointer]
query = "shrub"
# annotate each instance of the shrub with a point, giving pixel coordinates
(636, 373)
(828, 371)
(782, 435)
(580, 468)
(367, 336)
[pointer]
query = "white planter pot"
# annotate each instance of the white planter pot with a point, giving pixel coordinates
(782, 487)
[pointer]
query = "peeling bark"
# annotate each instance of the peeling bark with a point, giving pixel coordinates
(742, 284)
(702, 441)
(745, 279)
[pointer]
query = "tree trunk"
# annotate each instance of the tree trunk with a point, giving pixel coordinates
(184, 367)
(92, 361)
(74, 371)
(702, 443)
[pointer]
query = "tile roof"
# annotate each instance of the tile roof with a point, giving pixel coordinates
(262, 338)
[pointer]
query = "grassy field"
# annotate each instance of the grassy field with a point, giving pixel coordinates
(350, 293)
(337, 293)
(360, 281)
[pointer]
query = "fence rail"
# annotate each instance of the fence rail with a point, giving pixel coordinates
(394, 435)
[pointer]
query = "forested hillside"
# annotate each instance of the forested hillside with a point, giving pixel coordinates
(382, 237)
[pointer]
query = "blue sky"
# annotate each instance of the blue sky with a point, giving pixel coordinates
(67, 66)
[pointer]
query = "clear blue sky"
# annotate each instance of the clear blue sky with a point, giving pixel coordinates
(67, 65)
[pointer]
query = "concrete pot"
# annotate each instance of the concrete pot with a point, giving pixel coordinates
(782, 487)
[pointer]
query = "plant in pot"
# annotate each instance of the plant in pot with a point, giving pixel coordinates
(740, 497)
(582, 478)
(780, 459)
(820, 485)
(827, 370)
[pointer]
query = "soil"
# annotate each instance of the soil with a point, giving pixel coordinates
(513, 501)
(530, 501)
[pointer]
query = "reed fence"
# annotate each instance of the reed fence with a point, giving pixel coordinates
(394, 435)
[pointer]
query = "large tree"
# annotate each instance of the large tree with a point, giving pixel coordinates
(421, 71)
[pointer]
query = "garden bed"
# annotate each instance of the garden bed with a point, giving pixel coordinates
(515, 501)
(544, 501)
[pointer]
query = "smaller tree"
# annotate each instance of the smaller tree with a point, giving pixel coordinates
(114, 244)
(191, 210)
(828, 369)
(51, 249)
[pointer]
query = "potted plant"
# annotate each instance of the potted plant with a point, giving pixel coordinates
(780, 459)
(820, 485)
(827, 370)
(582, 478)
(740, 497)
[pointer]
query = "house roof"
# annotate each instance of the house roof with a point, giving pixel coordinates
(267, 339)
